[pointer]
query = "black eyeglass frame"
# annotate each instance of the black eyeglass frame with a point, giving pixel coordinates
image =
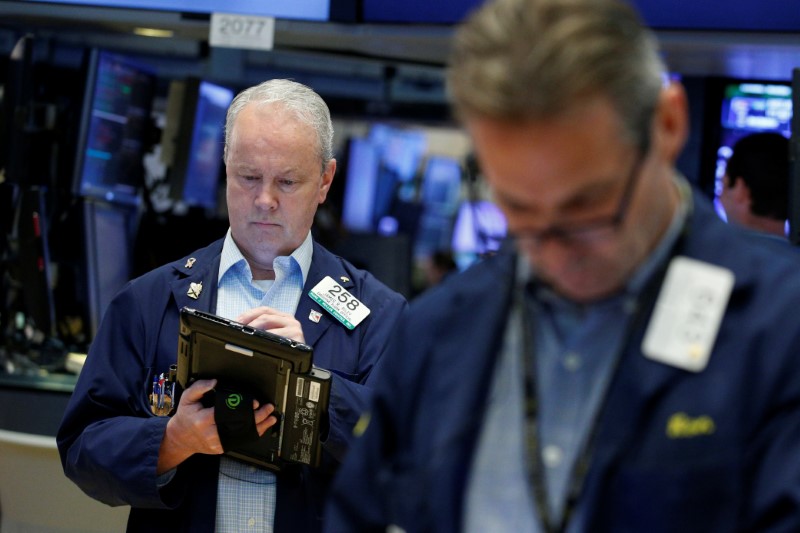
(590, 230)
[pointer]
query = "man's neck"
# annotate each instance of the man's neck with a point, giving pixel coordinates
(766, 225)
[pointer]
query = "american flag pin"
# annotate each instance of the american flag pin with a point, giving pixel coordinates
(314, 316)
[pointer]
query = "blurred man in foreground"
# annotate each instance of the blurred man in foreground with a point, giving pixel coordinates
(629, 363)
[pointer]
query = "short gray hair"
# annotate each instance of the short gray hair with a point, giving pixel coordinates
(535, 59)
(301, 100)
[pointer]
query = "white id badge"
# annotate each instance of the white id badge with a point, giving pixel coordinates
(687, 314)
(336, 300)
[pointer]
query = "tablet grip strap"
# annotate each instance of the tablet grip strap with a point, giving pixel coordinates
(233, 413)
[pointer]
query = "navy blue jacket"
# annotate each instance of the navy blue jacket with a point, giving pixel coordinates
(109, 440)
(740, 471)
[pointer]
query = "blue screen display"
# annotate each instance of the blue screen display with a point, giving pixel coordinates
(291, 9)
(742, 15)
(116, 114)
(205, 149)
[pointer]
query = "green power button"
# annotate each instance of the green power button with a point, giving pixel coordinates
(233, 400)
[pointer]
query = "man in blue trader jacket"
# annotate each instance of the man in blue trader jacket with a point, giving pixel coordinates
(279, 165)
(634, 366)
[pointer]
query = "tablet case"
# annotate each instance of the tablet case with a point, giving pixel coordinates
(268, 367)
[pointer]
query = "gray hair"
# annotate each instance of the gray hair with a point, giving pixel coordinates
(295, 97)
(535, 59)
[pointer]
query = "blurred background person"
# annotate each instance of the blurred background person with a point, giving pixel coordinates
(755, 187)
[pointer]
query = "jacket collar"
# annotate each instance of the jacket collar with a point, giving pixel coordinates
(195, 284)
(638, 379)
(323, 263)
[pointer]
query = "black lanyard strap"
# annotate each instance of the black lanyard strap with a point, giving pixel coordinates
(525, 310)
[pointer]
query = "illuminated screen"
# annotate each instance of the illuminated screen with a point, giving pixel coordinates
(108, 234)
(441, 195)
(360, 183)
(479, 229)
(198, 161)
(380, 179)
(292, 9)
(737, 15)
(114, 128)
(749, 108)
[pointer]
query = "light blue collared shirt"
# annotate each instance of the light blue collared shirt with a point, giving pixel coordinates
(246, 494)
(576, 348)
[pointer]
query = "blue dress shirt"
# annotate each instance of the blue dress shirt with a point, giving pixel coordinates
(576, 348)
(245, 493)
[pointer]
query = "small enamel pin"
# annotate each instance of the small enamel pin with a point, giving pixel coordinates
(190, 262)
(314, 316)
(344, 279)
(194, 290)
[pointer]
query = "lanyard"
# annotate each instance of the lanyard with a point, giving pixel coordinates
(525, 310)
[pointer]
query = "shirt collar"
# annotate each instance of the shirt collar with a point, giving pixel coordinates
(232, 256)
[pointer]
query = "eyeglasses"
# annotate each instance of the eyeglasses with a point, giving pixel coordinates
(588, 231)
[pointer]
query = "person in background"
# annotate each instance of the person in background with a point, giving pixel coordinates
(755, 187)
(169, 469)
(628, 362)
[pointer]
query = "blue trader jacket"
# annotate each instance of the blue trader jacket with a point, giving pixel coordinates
(109, 439)
(674, 450)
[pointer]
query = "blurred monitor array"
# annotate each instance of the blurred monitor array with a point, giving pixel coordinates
(394, 185)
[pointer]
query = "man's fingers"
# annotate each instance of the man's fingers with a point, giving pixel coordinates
(265, 418)
(197, 389)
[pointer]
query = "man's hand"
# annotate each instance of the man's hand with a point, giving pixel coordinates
(192, 428)
(274, 321)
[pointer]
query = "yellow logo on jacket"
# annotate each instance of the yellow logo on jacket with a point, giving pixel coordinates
(682, 426)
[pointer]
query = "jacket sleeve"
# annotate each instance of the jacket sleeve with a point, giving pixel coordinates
(108, 438)
(350, 391)
(361, 496)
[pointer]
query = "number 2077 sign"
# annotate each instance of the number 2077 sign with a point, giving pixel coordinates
(241, 31)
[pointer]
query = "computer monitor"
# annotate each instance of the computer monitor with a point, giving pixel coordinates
(361, 181)
(479, 229)
(380, 174)
(440, 195)
(196, 162)
(313, 10)
(749, 107)
(115, 128)
(109, 231)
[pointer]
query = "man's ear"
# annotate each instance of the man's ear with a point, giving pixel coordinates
(672, 121)
(739, 190)
(327, 179)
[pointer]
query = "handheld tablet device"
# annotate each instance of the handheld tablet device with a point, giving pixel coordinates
(252, 363)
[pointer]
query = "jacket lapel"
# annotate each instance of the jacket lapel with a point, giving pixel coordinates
(196, 287)
(638, 381)
(323, 263)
